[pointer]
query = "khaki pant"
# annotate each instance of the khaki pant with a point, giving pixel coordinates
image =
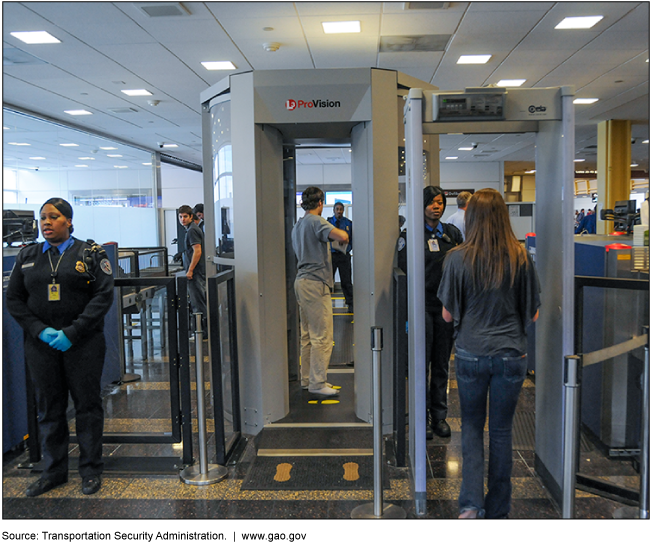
(316, 331)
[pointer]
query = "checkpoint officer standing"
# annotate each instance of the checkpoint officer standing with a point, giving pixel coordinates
(343, 261)
(59, 292)
(439, 238)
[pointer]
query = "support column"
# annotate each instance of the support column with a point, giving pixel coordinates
(614, 159)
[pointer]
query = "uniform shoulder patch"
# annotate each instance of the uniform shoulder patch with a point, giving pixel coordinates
(400, 243)
(105, 265)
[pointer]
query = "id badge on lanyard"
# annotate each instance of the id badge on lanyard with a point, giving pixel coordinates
(54, 292)
(433, 244)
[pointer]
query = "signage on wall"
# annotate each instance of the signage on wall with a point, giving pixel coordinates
(453, 193)
(292, 104)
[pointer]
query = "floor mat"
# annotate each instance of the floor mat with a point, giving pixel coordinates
(312, 473)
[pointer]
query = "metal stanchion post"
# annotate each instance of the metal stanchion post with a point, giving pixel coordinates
(204, 474)
(645, 437)
(572, 364)
(377, 509)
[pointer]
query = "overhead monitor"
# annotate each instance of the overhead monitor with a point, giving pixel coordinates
(332, 197)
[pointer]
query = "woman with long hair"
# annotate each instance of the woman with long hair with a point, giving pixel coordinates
(490, 290)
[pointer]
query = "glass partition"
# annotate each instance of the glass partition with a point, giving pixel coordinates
(222, 177)
(110, 185)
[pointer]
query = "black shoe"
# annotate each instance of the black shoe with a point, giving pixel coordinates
(429, 432)
(441, 428)
(91, 484)
(350, 309)
(43, 485)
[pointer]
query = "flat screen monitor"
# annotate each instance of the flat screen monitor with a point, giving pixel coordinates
(332, 197)
(19, 226)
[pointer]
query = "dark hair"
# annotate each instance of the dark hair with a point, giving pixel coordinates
(431, 192)
(63, 206)
(198, 209)
(186, 209)
(311, 196)
(492, 251)
(339, 204)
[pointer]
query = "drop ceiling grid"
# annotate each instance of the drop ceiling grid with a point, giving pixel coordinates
(292, 54)
(418, 22)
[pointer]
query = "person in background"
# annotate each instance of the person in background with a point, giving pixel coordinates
(490, 291)
(194, 264)
(439, 238)
(198, 216)
(458, 219)
(588, 223)
(342, 261)
(59, 292)
(313, 286)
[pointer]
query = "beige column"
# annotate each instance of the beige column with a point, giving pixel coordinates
(614, 159)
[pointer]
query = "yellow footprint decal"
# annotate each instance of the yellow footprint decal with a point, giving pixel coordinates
(283, 472)
(351, 473)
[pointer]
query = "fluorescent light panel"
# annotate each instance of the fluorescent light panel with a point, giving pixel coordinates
(511, 83)
(465, 148)
(18, 143)
(108, 148)
(578, 22)
(77, 112)
(578, 160)
(136, 92)
(69, 145)
(451, 158)
(473, 59)
(113, 156)
(341, 27)
(37, 158)
(36, 37)
(585, 100)
(170, 145)
(219, 65)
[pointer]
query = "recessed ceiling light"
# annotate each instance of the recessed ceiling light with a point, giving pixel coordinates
(644, 142)
(578, 160)
(585, 100)
(107, 148)
(35, 37)
(86, 158)
(77, 112)
(170, 145)
(219, 65)
(465, 148)
(633, 165)
(69, 145)
(136, 92)
(511, 83)
(530, 171)
(579, 22)
(451, 158)
(146, 164)
(119, 166)
(341, 27)
(113, 156)
(37, 158)
(18, 143)
(473, 59)
(6, 128)
(81, 166)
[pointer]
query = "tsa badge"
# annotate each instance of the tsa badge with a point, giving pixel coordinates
(400, 243)
(80, 267)
(105, 265)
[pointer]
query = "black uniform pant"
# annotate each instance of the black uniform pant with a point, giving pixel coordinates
(440, 340)
(77, 371)
(343, 263)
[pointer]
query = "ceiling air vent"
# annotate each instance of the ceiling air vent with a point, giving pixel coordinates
(397, 44)
(12, 56)
(163, 9)
(426, 5)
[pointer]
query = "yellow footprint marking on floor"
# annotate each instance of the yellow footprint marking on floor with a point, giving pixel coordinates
(283, 472)
(351, 473)
(336, 387)
(329, 401)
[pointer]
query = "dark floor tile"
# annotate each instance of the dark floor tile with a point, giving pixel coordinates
(42, 508)
(342, 509)
(596, 508)
(189, 509)
(595, 464)
(439, 509)
(533, 509)
(300, 510)
(244, 510)
(442, 469)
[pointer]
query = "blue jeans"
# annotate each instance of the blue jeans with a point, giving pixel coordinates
(501, 377)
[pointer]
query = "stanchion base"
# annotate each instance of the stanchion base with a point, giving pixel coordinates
(367, 511)
(626, 512)
(192, 475)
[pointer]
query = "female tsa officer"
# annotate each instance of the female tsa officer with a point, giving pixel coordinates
(59, 293)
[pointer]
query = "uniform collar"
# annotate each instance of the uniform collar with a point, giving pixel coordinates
(65, 245)
(439, 232)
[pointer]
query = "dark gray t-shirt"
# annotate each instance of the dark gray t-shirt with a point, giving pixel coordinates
(488, 323)
(193, 236)
(310, 237)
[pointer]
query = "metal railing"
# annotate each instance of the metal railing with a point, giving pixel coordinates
(573, 366)
(400, 367)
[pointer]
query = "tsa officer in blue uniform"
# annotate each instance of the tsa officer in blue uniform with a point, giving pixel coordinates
(59, 292)
(439, 238)
(343, 261)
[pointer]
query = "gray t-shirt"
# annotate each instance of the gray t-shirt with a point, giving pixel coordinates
(193, 236)
(310, 237)
(488, 323)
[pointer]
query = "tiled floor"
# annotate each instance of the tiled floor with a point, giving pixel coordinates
(140, 496)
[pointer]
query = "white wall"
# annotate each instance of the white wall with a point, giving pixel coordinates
(323, 174)
(180, 186)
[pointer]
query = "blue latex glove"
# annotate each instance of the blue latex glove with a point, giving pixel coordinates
(60, 342)
(47, 335)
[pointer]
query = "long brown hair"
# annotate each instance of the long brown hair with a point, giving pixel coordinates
(492, 250)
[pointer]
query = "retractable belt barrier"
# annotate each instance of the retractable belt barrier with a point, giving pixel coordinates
(573, 365)
(377, 509)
